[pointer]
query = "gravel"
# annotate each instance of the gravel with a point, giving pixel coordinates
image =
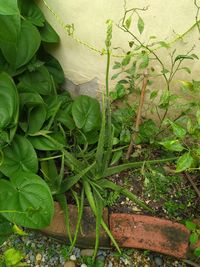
(43, 251)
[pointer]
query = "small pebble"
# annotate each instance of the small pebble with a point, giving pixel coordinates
(87, 252)
(72, 257)
(158, 261)
(38, 258)
(83, 265)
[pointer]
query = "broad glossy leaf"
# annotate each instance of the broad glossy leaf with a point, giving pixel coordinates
(48, 34)
(19, 156)
(9, 7)
(65, 117)
(13, 257)
(184, 162)
(53, 143)
(9, 31)
(5, 66)
(30, 99)
(28, 194)
(86, 113)
(5, 230)
(172, 145)
(38, 80)
(54, 68)
(36, 118)
(9, 102)
(31, 12)
(26, 45)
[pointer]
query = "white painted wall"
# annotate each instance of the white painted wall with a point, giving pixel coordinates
(164, 19)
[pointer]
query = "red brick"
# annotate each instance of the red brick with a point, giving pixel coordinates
(146, 232)
(86, 237)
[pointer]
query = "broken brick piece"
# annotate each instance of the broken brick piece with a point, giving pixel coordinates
(86, 236)
(147, 232)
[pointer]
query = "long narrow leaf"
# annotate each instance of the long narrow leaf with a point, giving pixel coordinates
(63, 203)
(131, 165)
(80, 214)
(71, 181)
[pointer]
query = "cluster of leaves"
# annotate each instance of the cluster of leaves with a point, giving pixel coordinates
(194, 235)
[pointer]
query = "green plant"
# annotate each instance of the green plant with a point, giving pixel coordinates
(194, 235)
(12, 258)
(49, 142)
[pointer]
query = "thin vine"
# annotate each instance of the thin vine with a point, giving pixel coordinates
(69, 29)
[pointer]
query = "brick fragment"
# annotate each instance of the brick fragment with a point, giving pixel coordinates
(86, 236)
(147, 232)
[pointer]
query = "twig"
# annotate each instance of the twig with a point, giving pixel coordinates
(139, 115)
(191, 263)
(197, 15)
(193, 184)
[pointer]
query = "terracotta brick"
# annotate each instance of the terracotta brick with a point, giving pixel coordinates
(146, 232)
(86, 237)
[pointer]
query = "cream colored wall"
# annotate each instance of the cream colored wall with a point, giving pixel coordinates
(163, 19)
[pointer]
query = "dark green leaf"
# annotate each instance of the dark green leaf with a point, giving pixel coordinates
(38, 80)
(86, 113)
(5, 230)
(19, 156)
(181, 57)
(9, 31)
(9, 103)
(28, 42)
(9, 7)
(31, 12)
(54, 68)
(48, 34)
(140, 25)
(52, 142)
(28, 199)
(36, 118)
